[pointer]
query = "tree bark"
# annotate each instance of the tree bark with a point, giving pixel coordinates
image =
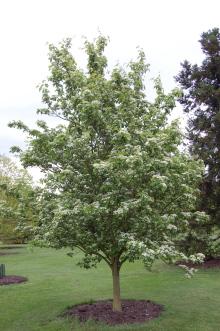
(116, 286)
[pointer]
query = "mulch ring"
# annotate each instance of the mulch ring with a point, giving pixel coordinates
(133, 311)
(8, 280)
(211, 263)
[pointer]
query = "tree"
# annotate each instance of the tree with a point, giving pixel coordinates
(201, 99)
(116, 185)
(16, 201)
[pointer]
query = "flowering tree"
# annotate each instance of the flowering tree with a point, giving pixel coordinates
(116, 185)
(17, 202)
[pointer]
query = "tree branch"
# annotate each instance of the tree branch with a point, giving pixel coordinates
(96, 253)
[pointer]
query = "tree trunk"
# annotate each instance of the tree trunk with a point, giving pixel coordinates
(116, 286)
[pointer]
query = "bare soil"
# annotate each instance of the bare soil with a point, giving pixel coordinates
(12, 247)
(133, 311)
(8, 280)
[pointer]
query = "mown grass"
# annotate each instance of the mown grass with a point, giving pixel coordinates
(55, 282)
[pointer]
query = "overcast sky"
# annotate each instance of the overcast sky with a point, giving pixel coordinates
(167, 30)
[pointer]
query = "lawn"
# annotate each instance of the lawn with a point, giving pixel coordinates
(55, 282)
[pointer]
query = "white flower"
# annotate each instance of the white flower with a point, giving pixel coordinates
(171, 227)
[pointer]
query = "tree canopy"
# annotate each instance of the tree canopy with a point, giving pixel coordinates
(116, 186)
(201, 99)
(17, 200)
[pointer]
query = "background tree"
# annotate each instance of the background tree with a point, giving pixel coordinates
(17, 199)
(201, 99)
(116, 185)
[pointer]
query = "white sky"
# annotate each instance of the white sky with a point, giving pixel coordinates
(167, 30)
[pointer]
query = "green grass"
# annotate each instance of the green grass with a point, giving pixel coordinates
(55, 282)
